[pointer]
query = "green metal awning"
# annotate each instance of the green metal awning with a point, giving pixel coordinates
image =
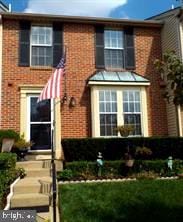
(117, 78)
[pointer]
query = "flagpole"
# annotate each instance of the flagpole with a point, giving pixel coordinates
(54, 183)
(51, 91)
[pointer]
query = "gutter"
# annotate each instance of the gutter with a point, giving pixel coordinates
(82, 19)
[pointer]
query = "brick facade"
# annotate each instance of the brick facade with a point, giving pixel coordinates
(80, 42)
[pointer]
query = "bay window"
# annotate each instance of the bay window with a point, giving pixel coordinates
(114, 106)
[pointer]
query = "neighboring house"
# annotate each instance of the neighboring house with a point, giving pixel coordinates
(172, 39)
(3, 8)
(110, 76)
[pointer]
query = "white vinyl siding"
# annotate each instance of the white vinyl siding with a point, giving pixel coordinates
(170, 41)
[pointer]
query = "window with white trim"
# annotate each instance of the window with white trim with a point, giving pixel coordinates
(132, 110)
(119, 107)
(41, 46)
(114, 49)
(108, 112)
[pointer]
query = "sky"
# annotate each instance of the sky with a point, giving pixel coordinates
(126, 9)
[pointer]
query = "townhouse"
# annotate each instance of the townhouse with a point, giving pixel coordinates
(172, 39)
(110, 77)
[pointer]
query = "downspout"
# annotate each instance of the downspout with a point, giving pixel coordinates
(180, 46)
(1, 39)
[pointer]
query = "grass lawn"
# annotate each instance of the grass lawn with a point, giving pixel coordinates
(147, 200)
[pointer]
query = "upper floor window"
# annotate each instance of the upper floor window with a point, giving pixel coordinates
(41, 46)
(114, 49)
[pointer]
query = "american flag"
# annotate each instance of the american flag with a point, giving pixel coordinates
(53, 87)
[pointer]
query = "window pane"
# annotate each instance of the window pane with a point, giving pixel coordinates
(41, 35)
(108, 112)
(131, 98)
(114, 119)
(41, 56)
(41, 39)
(41, 136)
(135, 121)
(114, 58)
(107, 96)
(137, 96)
(125, 96)
(137, 107)
(131, 107)
(101, 95)
(102, 130)
(40, 112)
(131, 110)
(113, 39)
(102, 109)
(125, 107)
(113, 95)
(114, 107)
(108, 131)
(108, 107)
(102, 119)
(108, 124)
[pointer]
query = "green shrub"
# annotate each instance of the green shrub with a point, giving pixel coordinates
(8, 134)
(7, 173)
(65, 175)
(7, 160)
(113, 169)
(143, 153)
(86, 149)
(21, 172)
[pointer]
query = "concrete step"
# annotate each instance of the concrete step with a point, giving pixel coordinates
(29, 200)
(33, 185)
(39, 156)
(37, 172)
(27, 185)
(42, 217)
(30, 164)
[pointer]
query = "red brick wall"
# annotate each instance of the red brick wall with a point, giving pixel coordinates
(148, 48)
(79, 40)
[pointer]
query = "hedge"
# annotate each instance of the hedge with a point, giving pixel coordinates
(7, 174)
(116, 168)
(114, 148)
(7, 161)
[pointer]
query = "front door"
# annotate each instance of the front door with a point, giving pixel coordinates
(39, 123)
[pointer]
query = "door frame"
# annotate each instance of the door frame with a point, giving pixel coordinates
(26, 90)
(29, 96)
